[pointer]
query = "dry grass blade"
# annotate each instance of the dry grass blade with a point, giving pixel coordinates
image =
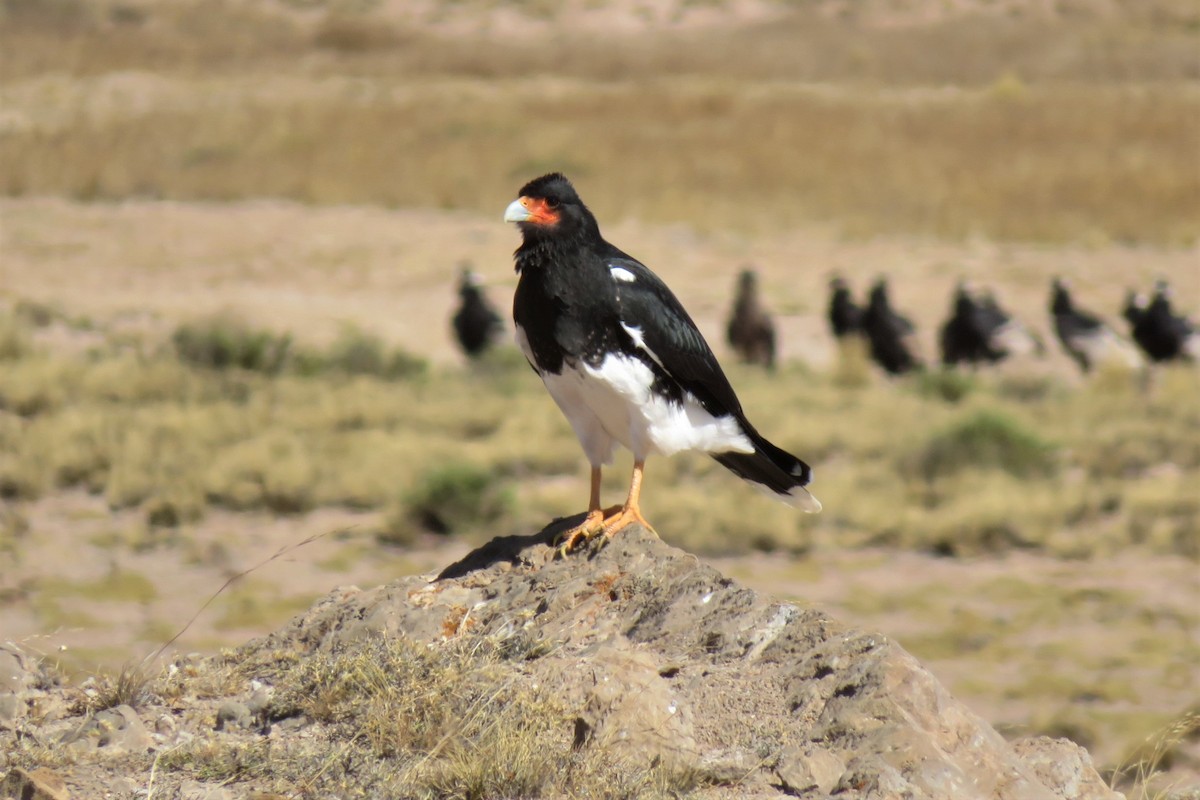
(1140, 773)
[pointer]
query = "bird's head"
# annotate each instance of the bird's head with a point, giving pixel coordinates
(1060, 297)
(878, 295)
(549, 206)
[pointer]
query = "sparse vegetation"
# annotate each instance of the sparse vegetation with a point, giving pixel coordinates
(1069, 126)
(1029, 139)
(225, 342)
(986, 440)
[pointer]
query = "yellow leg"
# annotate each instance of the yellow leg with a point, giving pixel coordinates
(631, 512)
(592, 524)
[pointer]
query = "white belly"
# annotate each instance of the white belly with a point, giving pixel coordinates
(616, 397)
(613, 403)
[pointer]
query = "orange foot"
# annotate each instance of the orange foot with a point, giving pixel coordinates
(595, 523)
(628, 516)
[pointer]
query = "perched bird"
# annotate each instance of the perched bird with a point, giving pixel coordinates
(476, 323)
(1162, 335)
(845, 316)
(979, 331)
(890, 335)
(1084, 336)
(624, 361)
(750, 331)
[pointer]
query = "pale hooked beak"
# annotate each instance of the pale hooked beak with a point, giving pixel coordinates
(517, 211)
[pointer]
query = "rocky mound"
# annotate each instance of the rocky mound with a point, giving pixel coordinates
(632, 670)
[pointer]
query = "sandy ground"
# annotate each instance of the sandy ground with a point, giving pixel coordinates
(311, 270)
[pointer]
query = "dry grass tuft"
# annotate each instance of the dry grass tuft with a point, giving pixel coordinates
(449, 722)
(1139, 775)
(132, 686)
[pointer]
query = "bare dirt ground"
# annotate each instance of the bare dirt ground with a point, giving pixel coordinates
(311, 270)
(147, 265)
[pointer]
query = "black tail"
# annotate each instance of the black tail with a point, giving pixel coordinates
(774, 470)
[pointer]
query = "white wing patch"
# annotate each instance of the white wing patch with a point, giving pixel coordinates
(621, 274)
(618, 392)
(639, 341)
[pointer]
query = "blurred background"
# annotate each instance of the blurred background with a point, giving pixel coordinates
(234, 236)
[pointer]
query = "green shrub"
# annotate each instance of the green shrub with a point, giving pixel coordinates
(14, 338)
(357, 352)
(452, 499)
(225, 342)
(945, 384)
(985, 439)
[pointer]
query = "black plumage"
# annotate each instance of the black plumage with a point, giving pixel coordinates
(476, 323)
(1134, 308)
(1159, 331)
(979, 331)
(623, 360)
(889, 333)
(1084, 336)
(750, 330)
(845, 316)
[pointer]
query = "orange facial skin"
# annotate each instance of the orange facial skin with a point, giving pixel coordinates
(539, 212)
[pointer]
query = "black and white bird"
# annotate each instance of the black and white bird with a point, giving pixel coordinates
(624, 361)
(1158, 330)
(979, 331)
(890, 334)
(751, 331)
(476, 323)
(1084, 336)
(845, 316)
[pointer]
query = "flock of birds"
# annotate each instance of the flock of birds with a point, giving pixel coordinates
(978, 331)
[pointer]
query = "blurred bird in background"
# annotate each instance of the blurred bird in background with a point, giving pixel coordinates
(750, 331)
(1162, 334)
(1084, 336)
(476, 323)
(979, 331)
(890, 334)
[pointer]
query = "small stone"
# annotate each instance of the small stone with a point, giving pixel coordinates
(259, 701)
(194, 790)
(13, 677)
(232, 715)
(809, 768)
(41, 784)
(122, 729)
(11, 708)
(1064, 767)
(122, 787)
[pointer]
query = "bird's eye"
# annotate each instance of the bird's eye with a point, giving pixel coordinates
(551, 202)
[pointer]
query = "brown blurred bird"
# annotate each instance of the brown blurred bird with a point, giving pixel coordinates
(751, 332)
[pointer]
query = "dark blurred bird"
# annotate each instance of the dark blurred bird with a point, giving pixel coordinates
(1163, 335)
(1134, 308)
(845, 316)
(979, 331)
(476, 323)
(750, 331)
(624, 361)
(890, 335)
(1084, 336)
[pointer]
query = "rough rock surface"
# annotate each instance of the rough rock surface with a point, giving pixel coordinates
(658, 657)
(667, 657)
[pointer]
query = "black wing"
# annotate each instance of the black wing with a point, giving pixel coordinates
(671, 337)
